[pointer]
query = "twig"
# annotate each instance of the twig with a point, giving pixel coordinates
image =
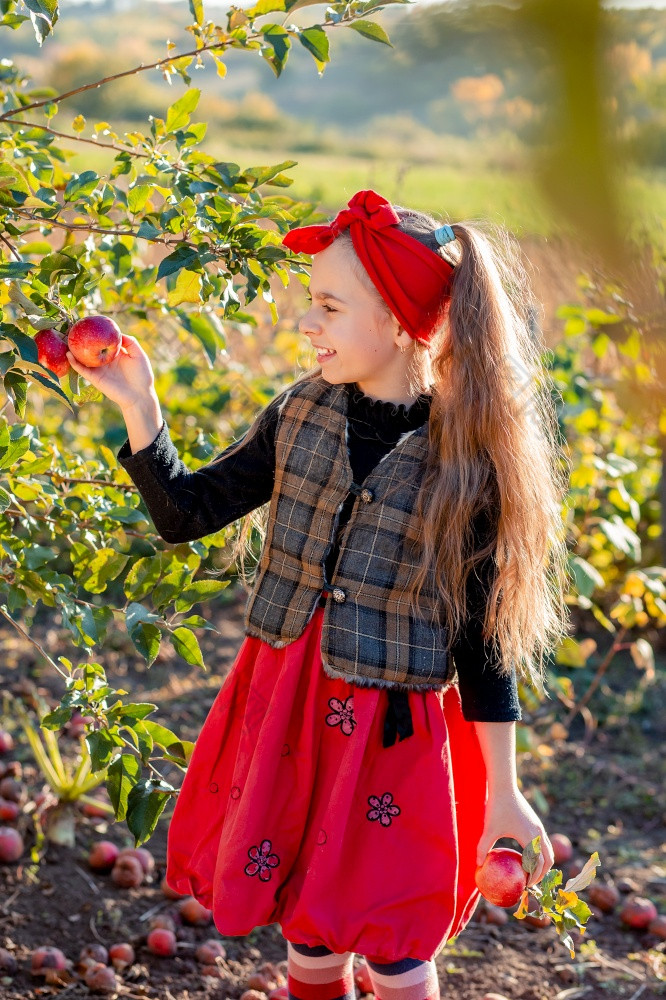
(11, 248)
(5, 905)
(93, 928)
(26, 635)
(596, 680)
(86, 878)
(154, 909)
(88, 482)
(76, 226)
(8, 115)
(53, 520)
(638, 992)
(612, 964)
(78, 138)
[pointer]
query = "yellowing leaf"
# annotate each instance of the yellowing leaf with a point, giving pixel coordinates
(565, 899)
(585, 876)
(79, 123)
(188, 289)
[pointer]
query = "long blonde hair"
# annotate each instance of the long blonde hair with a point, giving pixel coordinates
(493, 456)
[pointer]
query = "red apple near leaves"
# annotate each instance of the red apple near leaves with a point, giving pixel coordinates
(95, 341)
(501, 879)
(52, 352)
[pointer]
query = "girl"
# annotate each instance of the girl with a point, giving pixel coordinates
(413, 563)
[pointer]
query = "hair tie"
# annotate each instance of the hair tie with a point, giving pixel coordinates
(444, 235)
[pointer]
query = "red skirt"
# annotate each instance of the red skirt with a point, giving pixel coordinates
(292, 811)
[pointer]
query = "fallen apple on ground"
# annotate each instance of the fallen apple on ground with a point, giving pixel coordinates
(127, 872)
(11, 844)
(162, 942)
(121, 954)
(46, 958)
(101, 978)
(638, 912)
(103, 856)
(194, 912)
(95, 341)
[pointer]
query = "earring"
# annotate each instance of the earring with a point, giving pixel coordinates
(402, 350)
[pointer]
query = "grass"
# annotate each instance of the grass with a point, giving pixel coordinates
(469, 191)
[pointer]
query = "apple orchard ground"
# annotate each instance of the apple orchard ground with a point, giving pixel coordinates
(607, 796)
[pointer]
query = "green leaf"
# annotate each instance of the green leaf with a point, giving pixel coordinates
(17, 389)
(147, 639)
(315, 41)
(203, 329)
(280, 42)
(122, 776)
(178, 115)
(81, 185)
(126, 515)
(186, 645)
(175, 261)
(132, 710)
(142, 577)
(180, 753)
(586, 577)
(621, 536)
(102, 744)
(11, 453)
(160, 735)
(137, 197)
(265, 7)
(15, 269)
(201, 590)
(370, 29)
(196, 621)
(25, 345)
(262, 175)
(51, 387)
(43, 14)
(5, 500)
(145, 803)
(197, 10)
(148, 231)
(99, 568)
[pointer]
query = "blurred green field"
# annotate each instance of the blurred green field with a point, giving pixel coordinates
(461, 191)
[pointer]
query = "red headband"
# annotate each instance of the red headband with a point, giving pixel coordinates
(413, 280)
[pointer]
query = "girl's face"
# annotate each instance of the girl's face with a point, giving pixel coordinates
(351, 320)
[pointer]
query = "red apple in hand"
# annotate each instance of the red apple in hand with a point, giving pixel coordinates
(501, 878)
(52, 352)
(95, 341)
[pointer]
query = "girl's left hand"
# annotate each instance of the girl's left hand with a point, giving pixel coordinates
(510, 815)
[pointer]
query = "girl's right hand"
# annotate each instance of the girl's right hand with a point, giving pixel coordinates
(126, 380)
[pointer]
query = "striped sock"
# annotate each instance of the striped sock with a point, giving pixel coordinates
(409, 979)
(319, 974)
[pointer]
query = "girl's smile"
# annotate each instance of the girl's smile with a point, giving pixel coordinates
(348, 322)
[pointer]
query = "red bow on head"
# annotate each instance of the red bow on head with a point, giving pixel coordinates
(413, 280)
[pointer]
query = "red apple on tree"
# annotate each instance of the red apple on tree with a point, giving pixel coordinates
(501, 879)
(52, 352)
(95, 341)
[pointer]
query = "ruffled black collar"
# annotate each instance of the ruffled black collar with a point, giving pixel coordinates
(385, 414)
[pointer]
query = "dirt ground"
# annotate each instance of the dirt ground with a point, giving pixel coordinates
(607, 796)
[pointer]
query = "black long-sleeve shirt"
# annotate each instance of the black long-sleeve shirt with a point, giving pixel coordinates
(186, 505)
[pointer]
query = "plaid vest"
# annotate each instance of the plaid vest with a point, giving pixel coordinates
(369, 636)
